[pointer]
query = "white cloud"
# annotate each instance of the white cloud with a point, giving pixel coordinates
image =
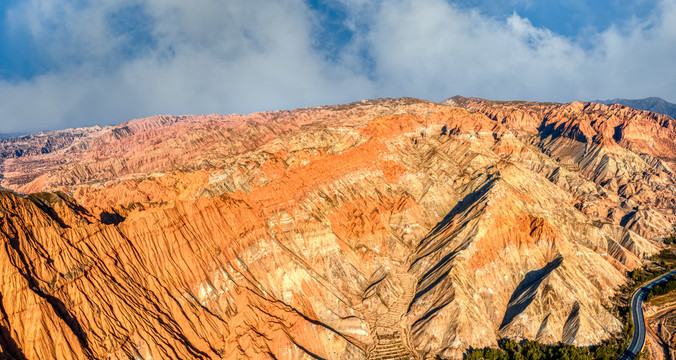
(242, 56)
(430, 49)
(209, 57)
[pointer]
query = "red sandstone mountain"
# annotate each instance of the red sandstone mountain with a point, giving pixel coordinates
(379, 228)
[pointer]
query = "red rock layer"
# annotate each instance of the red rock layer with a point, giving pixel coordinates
(628, 154)
(385, 227)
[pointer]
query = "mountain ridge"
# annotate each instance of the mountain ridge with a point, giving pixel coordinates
(291, 234)
(653, 104)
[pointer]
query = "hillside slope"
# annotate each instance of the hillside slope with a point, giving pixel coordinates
(391, 226)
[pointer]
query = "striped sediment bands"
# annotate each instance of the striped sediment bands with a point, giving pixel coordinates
(392, 227)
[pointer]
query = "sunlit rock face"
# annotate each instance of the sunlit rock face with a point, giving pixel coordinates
(373, 229)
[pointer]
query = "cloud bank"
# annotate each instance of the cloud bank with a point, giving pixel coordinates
(110, 61)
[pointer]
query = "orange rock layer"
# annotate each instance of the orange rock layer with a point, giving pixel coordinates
(382, 228)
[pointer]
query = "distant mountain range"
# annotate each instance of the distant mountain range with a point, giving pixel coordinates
(654, 104)
(4, 136)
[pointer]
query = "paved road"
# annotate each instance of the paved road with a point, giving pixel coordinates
(637, 317)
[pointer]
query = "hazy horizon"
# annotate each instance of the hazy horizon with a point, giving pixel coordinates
(21, 133)
(79, 63)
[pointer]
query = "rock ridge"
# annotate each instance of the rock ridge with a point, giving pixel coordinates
(376, 229)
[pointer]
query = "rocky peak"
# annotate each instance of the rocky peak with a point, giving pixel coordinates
(388, 227)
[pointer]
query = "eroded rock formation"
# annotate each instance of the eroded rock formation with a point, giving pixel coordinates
(374, 229)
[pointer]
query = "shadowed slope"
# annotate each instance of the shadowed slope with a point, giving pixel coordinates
(308, 233)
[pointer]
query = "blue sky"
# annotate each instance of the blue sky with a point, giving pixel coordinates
(567, 17)
(71, 63)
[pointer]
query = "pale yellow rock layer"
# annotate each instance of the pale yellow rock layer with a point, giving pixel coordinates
(373, 229)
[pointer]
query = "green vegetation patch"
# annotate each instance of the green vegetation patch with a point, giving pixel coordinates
(662, 289)
(533, 350)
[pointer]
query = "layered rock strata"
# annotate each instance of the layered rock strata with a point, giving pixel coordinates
(384, 228)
